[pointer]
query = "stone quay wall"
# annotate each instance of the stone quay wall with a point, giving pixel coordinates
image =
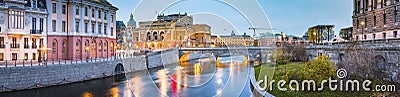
(30, 77)
(160, 58)
(20, 78)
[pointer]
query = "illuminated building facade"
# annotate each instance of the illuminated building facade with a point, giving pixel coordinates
(170, 31)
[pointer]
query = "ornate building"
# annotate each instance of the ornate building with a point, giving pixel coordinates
(22, 27)
(81, 29)
(169, 31)
(321, 33)
(232, 40)
(375, 19)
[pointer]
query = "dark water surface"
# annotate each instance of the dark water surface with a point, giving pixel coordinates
(197, 78)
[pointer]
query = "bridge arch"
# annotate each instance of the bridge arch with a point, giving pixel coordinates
(119, 69)
(380, 67)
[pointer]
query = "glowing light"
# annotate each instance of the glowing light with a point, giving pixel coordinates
(87, 94)
(114, 92)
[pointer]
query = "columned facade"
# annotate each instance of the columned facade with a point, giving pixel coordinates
(81, 29)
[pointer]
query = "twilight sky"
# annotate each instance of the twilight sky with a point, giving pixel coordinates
(289, 16)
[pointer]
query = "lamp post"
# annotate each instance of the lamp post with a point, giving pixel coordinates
(362, 30)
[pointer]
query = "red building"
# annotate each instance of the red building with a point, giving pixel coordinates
(81, 29)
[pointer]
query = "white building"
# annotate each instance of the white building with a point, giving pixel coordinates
(22, 27)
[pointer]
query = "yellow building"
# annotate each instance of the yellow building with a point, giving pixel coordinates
(170, 31)
(232, 40)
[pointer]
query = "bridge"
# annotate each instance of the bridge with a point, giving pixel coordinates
(253, 53)
(382, 55)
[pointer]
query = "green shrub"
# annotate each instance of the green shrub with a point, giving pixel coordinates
(319, 69)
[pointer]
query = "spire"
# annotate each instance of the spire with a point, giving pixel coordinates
(131, 16)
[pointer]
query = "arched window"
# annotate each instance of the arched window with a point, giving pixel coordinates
(105, 46)
(148, 36)
(78, 49)
(162, 35)
(87, 48)
(93, 45)
(54, 49)
(155, 36)
(64, 48)
(100, 46)
(112, 48)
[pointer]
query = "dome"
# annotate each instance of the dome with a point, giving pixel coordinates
(131, 21)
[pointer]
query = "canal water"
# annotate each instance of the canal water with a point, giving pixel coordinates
(204, 77)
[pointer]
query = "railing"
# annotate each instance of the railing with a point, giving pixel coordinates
(34, 46)
(36, 31)
(31, 62)
(2, 46)
(14, 45)
(26, 46)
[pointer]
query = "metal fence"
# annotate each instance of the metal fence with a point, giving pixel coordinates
(31, 62)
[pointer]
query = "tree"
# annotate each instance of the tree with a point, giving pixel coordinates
(280, 56)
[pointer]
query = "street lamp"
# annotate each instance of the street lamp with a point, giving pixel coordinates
(362, 30)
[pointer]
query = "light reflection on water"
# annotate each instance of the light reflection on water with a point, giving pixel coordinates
(174, 80)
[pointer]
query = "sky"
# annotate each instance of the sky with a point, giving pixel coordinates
(290, 16)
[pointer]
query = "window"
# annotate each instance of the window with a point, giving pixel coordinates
(99, 14)
(64, 26)
(112, 31)
(15, 19)
(374, 21)
(93, 12)
(34, 43)
(373, 36)
(77, 10)
(40, 43)
(26, 45)
(1, 57)
(86, 11)
(33, 56)
(33, 3)
(2, 42)
(54, 25)
(93, 27)
(112, 18)
(54, 8)
(86, 27)
(41, 24)
(395, 34)
(366, 22)
(54, 47)
(26, 56)
(33, 23)
(384, 19)
(64, 9)
(384, 35)
(14, 56)
(100, 47)
(77, 27)
(99, 28)
(105, 46)
(64, 47)
(105, 29)
(105, 15)
(78, 48)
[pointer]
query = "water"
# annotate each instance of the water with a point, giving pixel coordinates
(197, 78)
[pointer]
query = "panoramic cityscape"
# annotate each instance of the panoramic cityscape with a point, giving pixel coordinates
(193, 48)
